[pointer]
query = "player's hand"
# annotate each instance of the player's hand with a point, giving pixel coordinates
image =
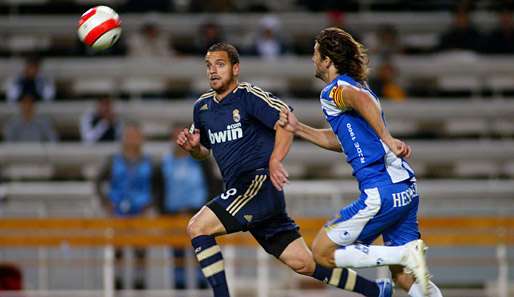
(400, 148)
(189, 141)
(278, 174)
(288, 120)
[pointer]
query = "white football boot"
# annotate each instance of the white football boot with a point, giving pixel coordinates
(414, 260)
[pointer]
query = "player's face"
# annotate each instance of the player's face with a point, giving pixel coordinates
(220, 71)
(316, 59)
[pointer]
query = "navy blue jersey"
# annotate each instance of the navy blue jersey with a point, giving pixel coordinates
(239, 129)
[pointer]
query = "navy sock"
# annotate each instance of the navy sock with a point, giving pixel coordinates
(209, 256)
(346, 279)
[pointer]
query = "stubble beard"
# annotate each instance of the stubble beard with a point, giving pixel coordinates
(224, 86)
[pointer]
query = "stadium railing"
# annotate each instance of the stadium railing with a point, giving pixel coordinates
(468, 197)
(169, 231)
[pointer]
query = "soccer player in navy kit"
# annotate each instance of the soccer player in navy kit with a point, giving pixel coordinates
(389, 200)
(237, 121)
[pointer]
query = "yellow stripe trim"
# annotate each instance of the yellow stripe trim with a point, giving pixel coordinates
(213, 250)
(205, 95)
(266, 99)
(275, 103)
(267, 95)
(254, 182)
(250, 196)
(208, 94)
(248, 192)
(335, 277)
(213, 268)
(350, 280)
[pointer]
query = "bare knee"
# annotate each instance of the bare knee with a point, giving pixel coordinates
(324, 259)
(323, 255)
(195, 228)
(323, 250)
(204, 222)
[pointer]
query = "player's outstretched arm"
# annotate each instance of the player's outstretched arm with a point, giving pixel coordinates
(190, 142)
(324, 138)
(370, 111)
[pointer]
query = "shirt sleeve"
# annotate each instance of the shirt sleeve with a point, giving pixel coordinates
(204, 138)
(264, 106)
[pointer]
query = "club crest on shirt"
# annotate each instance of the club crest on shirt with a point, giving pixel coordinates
(236, 116)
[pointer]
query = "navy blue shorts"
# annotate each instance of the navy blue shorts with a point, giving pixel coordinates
(253, 204)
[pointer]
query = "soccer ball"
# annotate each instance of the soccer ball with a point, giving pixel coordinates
(99, 27)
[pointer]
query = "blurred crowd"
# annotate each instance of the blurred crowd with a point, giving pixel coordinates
(270, 41)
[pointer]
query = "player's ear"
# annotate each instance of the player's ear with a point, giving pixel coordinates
(236, 69)
(327, 62)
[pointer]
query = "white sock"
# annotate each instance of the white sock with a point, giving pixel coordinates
(359, 255)
(433, 290)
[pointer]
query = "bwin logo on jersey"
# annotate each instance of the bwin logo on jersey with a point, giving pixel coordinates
(233, 132)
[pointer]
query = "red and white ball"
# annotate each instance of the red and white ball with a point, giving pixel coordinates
(99, 27)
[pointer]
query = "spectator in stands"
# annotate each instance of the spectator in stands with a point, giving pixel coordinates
(385, 85)
(185, 186)
(209, 34)
(269, 44)
(461, 35)
(501, 39)
(102, 124)
(150, 42)
(31, 81)
(128, 176)
(28, 126)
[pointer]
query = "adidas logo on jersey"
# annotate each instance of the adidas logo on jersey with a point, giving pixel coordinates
(232, 132)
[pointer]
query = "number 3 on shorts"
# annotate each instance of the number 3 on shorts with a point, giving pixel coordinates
(228, 193)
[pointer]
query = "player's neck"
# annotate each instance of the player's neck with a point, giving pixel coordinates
(231, 87)
(331, 75)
